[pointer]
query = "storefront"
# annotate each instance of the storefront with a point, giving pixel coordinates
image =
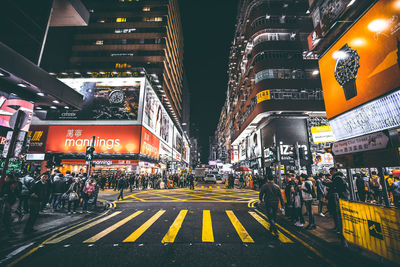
(131, 129)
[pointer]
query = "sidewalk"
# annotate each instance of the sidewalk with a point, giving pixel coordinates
(47, 222)
(326, 241)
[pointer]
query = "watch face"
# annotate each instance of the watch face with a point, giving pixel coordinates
(347, 65)
(116, 97)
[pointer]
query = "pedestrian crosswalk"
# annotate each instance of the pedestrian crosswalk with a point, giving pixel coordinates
(130, 226)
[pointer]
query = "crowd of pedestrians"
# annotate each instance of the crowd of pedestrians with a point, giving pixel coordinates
(29, 194)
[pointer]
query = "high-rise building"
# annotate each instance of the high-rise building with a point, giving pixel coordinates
(273, 86)
(125, 36)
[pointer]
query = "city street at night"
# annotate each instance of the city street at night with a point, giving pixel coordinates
(210, 226)
(200, 133)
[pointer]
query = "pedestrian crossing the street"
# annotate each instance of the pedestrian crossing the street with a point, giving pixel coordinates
(205, 226)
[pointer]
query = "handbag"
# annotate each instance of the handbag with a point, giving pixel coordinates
(73, 196)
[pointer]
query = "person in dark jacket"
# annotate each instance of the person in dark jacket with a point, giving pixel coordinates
(361, 187)
(271, 194)
(58, 188)
(121, 185)
(289, 194)
(8, 195)
(38, 195)
(320, 192)
(27, 183)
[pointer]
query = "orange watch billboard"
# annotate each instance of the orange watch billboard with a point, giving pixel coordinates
(364, 64)
(150, 144)
(108, 139)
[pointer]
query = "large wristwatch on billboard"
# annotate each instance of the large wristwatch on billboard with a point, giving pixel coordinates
(347, 64)
(116, 97)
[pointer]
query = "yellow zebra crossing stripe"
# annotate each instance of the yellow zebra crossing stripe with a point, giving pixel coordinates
(207, 234)
(243, 234)
(267, 226)
(83, 228)
(175, 227)
(112, 228)
(135, 235)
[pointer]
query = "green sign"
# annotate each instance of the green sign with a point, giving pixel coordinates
(13, 165)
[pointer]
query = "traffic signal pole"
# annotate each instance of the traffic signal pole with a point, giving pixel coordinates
(90, 162)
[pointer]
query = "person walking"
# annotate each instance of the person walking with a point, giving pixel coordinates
(121, 186)
(131, 182)
(58, 188)
(38, 195)
(308, 193)
(27, 183)
(395, 189)
(73, 196)
(320, 192)
(8, 197)
(361, 187)
(271, 194)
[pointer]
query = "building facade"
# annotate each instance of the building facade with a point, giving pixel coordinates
(274, 84)
(124, 37)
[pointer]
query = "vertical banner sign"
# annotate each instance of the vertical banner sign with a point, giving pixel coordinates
(372, 227)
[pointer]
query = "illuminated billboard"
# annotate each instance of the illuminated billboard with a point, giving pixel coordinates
(150, 144)
(254, 145)
(155, 116)
(108, 139)
(103, 99)
(364, 63)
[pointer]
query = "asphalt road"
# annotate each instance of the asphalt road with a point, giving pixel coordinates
(204, 227)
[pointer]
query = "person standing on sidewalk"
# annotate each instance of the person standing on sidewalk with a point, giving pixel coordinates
(8, 197)
(38, 195)
(308, 194)
(271, 194)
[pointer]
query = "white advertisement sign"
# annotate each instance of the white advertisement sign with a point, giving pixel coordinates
(364, 143)
(254, 145)
(377, 115)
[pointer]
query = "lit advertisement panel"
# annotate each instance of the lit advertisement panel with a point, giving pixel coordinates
(377, 115)
(155, 116)
(186, 150)
(178, 144)
(254, 145)
(108, 139)
(9, 108)
(322, 134)
(363, 64)
(103, 99)
(150, 144)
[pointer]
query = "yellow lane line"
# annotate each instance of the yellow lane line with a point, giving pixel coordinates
(33, 250)
(219, 187)
(83, 228)
(267, 226)
(175, 227)
(202, 187)
(316, 252)
(135, 235)
(207, 234)
(186, 200)
(112, 228)
(246, 238)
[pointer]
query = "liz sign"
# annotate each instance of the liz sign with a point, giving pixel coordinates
(108, 139)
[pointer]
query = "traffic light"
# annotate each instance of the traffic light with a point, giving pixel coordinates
(89, 153)
(302, 153)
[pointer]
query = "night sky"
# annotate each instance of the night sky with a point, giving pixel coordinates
(208, 29)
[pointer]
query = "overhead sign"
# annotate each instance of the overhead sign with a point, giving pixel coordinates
(350, 74)
(322, 134)
(360, 144)
(377, 115)
(372, 227)
(38, 135)
(109, 139)
(263, 96)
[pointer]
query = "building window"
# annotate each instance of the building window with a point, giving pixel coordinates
(146, 9)
(101, 21)
(120, 19)
(153, 19)
(99, 42)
